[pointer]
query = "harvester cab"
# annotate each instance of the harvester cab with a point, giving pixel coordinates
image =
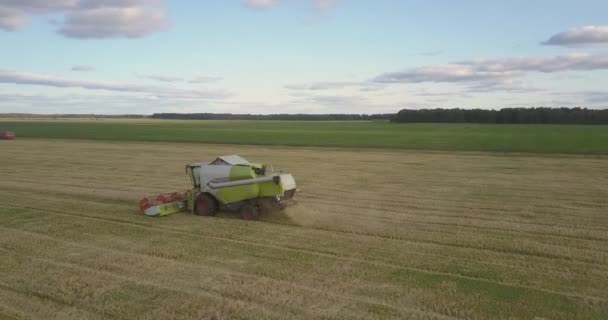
(229, 183)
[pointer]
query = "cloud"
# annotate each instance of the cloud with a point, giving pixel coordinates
(324, 5)
(83, 68)
(429, 53)
(362, 86)
(115, 18)
(101, 103)
(439, 73)
(328, 103)
(11, 20)
(86, 19)
(261, 4)
(430, 94)
(204, 79)
(321, 5)
(571, 62)
(322, 85)
(337, 101)
(40, 6)
(588, 35)
(494, 71)
(508, 85)
(162, 78)
(600, 97)
(27, 78)
(371, 87)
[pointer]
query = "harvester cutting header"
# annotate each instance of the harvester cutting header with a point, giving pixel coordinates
(229, 183)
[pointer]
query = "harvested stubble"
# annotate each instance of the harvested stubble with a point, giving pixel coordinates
(375, 235)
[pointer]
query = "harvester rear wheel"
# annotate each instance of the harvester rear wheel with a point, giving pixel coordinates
(249, 212)
(205, 205)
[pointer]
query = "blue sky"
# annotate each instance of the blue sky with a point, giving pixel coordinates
(299, 56)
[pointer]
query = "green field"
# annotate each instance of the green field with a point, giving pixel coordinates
(571, 139)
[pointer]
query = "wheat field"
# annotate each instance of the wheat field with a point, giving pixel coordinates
(375, 235)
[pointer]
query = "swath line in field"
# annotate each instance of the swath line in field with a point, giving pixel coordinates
(364, 261)
(213, 293)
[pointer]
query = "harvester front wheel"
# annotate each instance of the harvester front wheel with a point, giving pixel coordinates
(205, 205)
(249, 212)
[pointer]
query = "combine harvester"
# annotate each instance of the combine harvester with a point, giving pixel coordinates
(228, 183)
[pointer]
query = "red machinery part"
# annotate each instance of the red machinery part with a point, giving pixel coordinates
(7, 135)
(144, 204)
(148, 202)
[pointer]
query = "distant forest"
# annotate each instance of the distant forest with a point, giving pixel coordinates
(504, 116)
(299, 117)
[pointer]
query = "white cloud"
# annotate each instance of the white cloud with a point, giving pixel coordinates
(570, 62)
(11, 19)
(498, 74)
(321, 5)
(111, 19)
(100, 103)
(165, 78)
(204, 79)
(440, 73)
(162, 78)
(325, 4)
(600, 97)
(261, 4)
(82, 68)
(338, 100)
(588, 35)
(336, 85)
(508, 85)
(330, 103)
(27, 78)
(85, 19)
(39, 6)
(324, 85)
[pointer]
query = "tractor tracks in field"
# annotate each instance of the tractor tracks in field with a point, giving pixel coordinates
(333, 230)
(348, 234)
(337, 231)
(53, 299)
(212, 294)
(504, 231)
(116, 276)
(321, 199)
(98, 198)
(429, 241)
(331, 255)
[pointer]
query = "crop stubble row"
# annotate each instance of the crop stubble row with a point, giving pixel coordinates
(375, 234)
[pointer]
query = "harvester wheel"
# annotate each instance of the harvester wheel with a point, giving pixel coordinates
(205, 205)
(249, 212)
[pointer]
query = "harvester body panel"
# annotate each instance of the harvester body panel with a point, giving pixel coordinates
(229, 184)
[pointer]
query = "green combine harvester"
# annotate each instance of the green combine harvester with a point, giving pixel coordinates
(229, 183)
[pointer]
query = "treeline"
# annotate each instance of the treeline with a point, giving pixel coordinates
(504, 116)
(71, 116)
(294, 117)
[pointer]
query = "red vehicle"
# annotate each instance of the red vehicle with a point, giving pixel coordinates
(7, 135)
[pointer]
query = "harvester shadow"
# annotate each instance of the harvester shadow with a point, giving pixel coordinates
(274, 216)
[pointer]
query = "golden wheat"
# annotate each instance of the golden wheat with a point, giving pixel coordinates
(375, 235)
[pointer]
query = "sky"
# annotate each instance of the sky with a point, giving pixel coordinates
(300, 56)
